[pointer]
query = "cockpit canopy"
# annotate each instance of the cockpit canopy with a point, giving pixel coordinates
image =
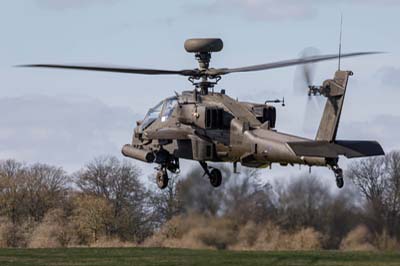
(163, 109)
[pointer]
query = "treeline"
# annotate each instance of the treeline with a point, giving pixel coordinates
(109, 203)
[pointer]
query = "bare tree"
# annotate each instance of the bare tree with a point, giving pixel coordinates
(197, 195)
(246, 198)
(378, 180)
(307, 202)
(118, 182)
(165, 203)
(392, 194)
(12, 190)
(46, 188)
(301, 202)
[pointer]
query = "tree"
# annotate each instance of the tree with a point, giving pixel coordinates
(165, 203)
(301, 202)
(118, 183)
(28, 192)
(46, 188)
(245, 198)
(306, 202)
(378, 180)
(13, 190)
(392, 193)
(93, 216)
(197, 195)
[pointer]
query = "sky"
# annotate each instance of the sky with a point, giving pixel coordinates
(67, 118)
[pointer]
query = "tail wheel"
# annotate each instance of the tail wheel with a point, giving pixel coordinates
(339, 178)
(215, 177)
(162, 179)
(339, 182)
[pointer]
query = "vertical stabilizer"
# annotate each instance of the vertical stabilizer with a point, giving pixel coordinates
(335, 91)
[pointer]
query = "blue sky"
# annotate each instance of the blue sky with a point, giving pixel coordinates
(67, 118)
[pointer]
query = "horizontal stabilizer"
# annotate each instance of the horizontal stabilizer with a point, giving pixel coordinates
(348, 148)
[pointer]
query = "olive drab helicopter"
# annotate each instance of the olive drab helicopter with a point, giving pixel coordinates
(208, 126)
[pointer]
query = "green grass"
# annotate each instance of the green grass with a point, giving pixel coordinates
(153, 256)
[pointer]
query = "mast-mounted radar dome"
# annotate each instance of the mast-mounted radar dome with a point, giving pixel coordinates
(203, 45)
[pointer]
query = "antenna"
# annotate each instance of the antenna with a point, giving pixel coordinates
(340, 39)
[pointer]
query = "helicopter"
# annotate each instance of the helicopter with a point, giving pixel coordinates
(209, 126)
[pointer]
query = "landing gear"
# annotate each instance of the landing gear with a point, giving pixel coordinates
(166, 162)
(214, 175)
(162, 178)
(339, 182)
(338, 175)
(333, 165)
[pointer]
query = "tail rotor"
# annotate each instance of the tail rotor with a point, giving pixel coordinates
(304, 84)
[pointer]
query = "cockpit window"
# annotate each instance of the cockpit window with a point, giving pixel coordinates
(152, 115)
(168, 109)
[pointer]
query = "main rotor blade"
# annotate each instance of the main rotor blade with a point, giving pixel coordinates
(286, 63)
(118, 69)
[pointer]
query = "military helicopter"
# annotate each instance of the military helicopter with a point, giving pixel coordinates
(208, 126)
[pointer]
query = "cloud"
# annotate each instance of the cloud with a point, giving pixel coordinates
(65, 131)
(277, 10)
(389, 76)
(71, 4)
(258, 9)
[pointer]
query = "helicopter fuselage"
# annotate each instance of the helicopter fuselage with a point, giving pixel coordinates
(214, 127)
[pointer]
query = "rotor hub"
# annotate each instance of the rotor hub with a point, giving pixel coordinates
(202, 48)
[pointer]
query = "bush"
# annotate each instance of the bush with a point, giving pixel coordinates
(14, 235)
(219, 233)
(306, 239)
(5, 226)
(358, 239)
(53, 232)
(195, 231)
(248, 235)
(386, 243)
(271, 237)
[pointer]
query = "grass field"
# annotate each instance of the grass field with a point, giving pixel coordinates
(151, 256)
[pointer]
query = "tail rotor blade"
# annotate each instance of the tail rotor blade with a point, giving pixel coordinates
(305, 73)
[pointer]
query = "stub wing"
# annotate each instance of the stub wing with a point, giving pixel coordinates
(348, 148)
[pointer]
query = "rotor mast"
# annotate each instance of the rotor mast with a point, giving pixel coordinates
(204, 62)
(202, 48)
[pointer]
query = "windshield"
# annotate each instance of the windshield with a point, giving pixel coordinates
(152, 115)
(168, 109)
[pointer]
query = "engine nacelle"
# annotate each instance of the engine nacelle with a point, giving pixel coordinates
(263, 113)
(205, 117)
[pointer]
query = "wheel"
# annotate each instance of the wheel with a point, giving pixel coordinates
(215, 177)
(339, 177)
(338, 173)
(162, 179)
(339, 182)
